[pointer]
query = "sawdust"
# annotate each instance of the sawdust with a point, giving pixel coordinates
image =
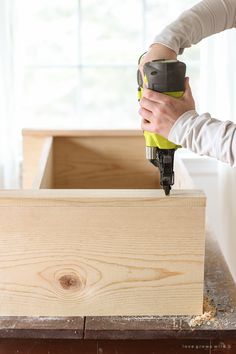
(208, 315)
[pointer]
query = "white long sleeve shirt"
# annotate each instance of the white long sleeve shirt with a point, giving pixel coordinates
(202, 133)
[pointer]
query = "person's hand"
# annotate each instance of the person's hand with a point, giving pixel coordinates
(157, 51)
(159, 111)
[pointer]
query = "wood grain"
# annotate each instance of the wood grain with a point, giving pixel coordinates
(103, 162)
(219, 286)
(84, 259)
(103, 197)
(183, 179)
(106, 241)
(35, 155)
(44, 176)
(82, 133)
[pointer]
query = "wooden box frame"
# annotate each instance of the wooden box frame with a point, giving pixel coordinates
(91, 233)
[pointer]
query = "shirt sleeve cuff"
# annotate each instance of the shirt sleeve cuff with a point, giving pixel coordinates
(168, 45)
(177, 131)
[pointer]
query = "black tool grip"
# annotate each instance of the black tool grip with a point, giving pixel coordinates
(165, 75)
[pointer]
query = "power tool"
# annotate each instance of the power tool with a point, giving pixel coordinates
(168, 77)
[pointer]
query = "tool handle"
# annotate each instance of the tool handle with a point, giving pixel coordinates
(167, 77)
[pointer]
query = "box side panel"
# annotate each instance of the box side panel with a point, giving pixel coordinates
(69, 260)
(37, 162)
(46, 173)
(183, 179)
(103, 162)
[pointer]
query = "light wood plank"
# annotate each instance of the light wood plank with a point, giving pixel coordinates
(44, 176)
(103, 197)
(83, 133)
(183, 179)
(103, 162)
(88, 259)
(85, 250)
(35, 152)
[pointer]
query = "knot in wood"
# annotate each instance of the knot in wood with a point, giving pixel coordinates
(70, 282)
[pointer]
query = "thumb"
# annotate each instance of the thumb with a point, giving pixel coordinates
(188, 91)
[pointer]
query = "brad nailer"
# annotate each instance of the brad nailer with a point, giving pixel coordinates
(167, 77)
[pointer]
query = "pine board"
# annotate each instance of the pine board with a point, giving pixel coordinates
(94, 236)
(81, 257)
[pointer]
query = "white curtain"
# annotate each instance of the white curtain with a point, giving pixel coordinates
(218, 91)
(9, 131)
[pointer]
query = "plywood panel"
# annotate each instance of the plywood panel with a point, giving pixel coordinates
(72, 255)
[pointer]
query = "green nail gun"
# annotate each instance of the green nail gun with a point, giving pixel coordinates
(168, 77)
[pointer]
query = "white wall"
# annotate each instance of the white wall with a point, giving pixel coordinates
(227, 214)
(218, 96)
(219, 185)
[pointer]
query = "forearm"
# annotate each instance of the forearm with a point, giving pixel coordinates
(205, 135)
(202, 20)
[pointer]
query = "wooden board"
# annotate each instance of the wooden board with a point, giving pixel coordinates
(41, 327)
(183, 179)
(102, 162)
(90, 159)
(104, 253)
(96, 248)
(219, 287)
(44, 176)
(33, 147)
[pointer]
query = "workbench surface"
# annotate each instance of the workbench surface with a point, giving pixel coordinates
(219, 287)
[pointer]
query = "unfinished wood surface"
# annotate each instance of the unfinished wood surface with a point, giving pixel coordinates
(105, 244)
(82, 159)
(183, 179)
(44, 176)
(35, 155)
(47, 179)
(138, 254)
(84, 133)
(102, 162)
(102, 197)
(219, 287)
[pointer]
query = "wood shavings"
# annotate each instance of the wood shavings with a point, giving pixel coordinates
(208, 315)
